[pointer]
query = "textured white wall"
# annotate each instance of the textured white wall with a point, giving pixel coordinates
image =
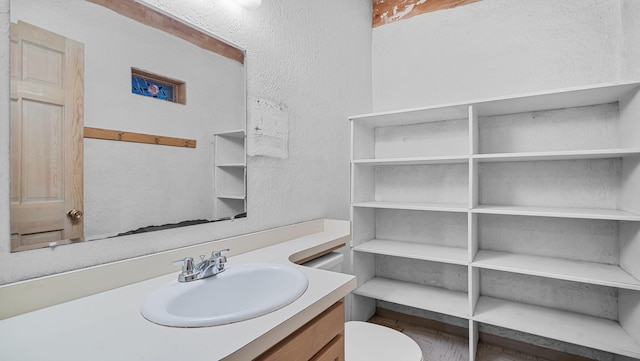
(630, 10)
(496, 48)
(312, 57)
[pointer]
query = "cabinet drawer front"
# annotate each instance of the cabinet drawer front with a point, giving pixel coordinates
(334, 351)
(307, 341)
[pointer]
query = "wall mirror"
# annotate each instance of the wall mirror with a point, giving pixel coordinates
(118, 125)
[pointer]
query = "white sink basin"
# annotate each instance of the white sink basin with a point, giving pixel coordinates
(241, 292)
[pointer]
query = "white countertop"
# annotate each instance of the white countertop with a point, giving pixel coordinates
(109, 326)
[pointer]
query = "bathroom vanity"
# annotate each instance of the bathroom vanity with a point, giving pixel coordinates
(108, 325)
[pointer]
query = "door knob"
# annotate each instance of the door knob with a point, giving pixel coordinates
(74, 214)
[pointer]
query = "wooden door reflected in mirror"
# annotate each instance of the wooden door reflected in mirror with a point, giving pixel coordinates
(47, 92)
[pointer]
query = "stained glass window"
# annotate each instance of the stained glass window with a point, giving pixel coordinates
(149, 85)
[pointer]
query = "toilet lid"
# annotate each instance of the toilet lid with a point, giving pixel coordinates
(366, 341)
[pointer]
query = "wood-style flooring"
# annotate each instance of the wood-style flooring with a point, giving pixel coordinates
(438, 345)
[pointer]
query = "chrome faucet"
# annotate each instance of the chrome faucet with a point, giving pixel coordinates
(206, 268)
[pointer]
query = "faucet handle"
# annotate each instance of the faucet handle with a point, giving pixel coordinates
(186, 263)
(219, 259)
(216, 254)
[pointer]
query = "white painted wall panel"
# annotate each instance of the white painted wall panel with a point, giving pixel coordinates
(630, 11)
(496, 48)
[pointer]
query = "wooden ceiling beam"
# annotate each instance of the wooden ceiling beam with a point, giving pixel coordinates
(160, 21)
(388, 11)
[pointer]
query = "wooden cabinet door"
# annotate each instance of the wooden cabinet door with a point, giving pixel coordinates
(47, 105)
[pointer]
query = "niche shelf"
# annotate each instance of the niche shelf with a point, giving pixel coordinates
(579, 329)
(559, 268)
(452, 303)
(230, 173)
(559, 315)
(560, 155)
(415, 250)
(541, 188)
(419, 206)
(566, 212)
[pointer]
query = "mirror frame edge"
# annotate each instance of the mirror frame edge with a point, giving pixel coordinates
(5, 114)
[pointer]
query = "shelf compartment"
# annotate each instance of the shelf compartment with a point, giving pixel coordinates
(227, 207)
(579, 329)
(561, 212)
(442, 138)
(531, 102)
(565, 98)
(563, 269)
(560, 155)
(453, 303)
(413, 115)
(452, 159)
(569, 129)
(416, 206)
(592, 251)
(230, 180)
(439, 183)
(592, 183)
(230, 147)
(415, 250)
(577, 119)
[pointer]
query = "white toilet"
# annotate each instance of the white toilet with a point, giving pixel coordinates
(366, 341)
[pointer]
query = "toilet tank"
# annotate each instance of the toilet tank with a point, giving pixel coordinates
(330, 262)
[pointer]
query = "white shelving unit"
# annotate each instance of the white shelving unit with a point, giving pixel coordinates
(230, 173)
(513, 200)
